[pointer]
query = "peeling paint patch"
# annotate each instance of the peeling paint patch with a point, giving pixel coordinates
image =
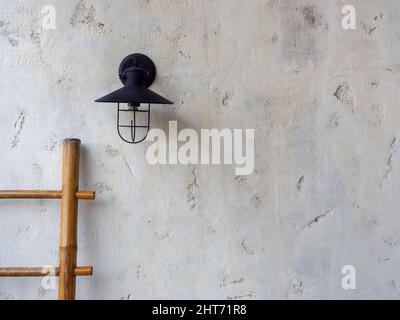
(391, 242)
(311, 16)
(128, 297)
(99, 187)
(162, 235)
(191, 187)
(300, 183)
(304, 41)
(8, 34)
(383, 260)
(228, 281)
(343, 92)
(256, 200)
(41, 293)
(377, 114)
(317, 219)
(392, 284)
(211, 231)
(375, 84)
(18, 126)
(247, 248)
(251, 295)
(35, 37)
(85, 15)
(369, 28)
(23, 229)
(296, 287)
(51, 144)
(334, 121)
(65, 83)
(112, 152)
(226, 99)
(139, 271)
(389, 161)
(241, 179)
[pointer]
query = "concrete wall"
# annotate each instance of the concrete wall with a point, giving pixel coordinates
(324, 103)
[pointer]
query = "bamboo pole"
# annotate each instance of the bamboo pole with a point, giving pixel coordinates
(69, 210)
(41, 272)
(43, 194)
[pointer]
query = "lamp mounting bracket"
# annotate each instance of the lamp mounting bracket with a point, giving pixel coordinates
(138, 60)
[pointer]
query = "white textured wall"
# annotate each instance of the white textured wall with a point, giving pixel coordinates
(324, 103)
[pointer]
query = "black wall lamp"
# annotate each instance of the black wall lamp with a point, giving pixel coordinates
(137, 72)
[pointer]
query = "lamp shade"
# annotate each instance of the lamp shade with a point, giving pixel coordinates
(134, 90)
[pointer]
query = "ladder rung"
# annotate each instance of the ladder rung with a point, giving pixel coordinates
(43, 194)
(41, 272)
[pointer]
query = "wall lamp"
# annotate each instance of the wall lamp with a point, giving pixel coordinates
(137, 72)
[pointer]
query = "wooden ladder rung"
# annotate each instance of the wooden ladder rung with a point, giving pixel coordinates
(41, 272)
(43, 194)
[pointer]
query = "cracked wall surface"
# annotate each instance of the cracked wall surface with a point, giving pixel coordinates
(324, 105)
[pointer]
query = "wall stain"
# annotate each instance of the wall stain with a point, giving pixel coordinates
(99, 187)
(85, 15)
(162, 235)
(228, 281)
(9, 35)
(247, 248)
(389, 161)
(250, 295)
(241, 180)
(333, 121)
(369, 28)
(311, 16)
(226, 99)
(392, 284)
(375, 84)
(317, 219)
(112, 152)
(300, 183)
(18, 126)
(139, 271)
(191, 188)
(41, 293)
(296, 287)
(304, 41)
(377, 113)
(256, 200)
(128, 297)
(383, 260)
(51, 144)
(343, 93)
(391, 242)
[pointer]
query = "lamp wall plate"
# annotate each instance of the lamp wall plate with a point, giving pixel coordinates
(140, 61)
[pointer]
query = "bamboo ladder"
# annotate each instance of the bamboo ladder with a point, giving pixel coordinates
(69, 195)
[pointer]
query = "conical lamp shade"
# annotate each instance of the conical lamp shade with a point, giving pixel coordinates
(134, 91)
(134, 94)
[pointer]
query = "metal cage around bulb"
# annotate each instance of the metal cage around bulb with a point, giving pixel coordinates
(137, 72)
(133, 126)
